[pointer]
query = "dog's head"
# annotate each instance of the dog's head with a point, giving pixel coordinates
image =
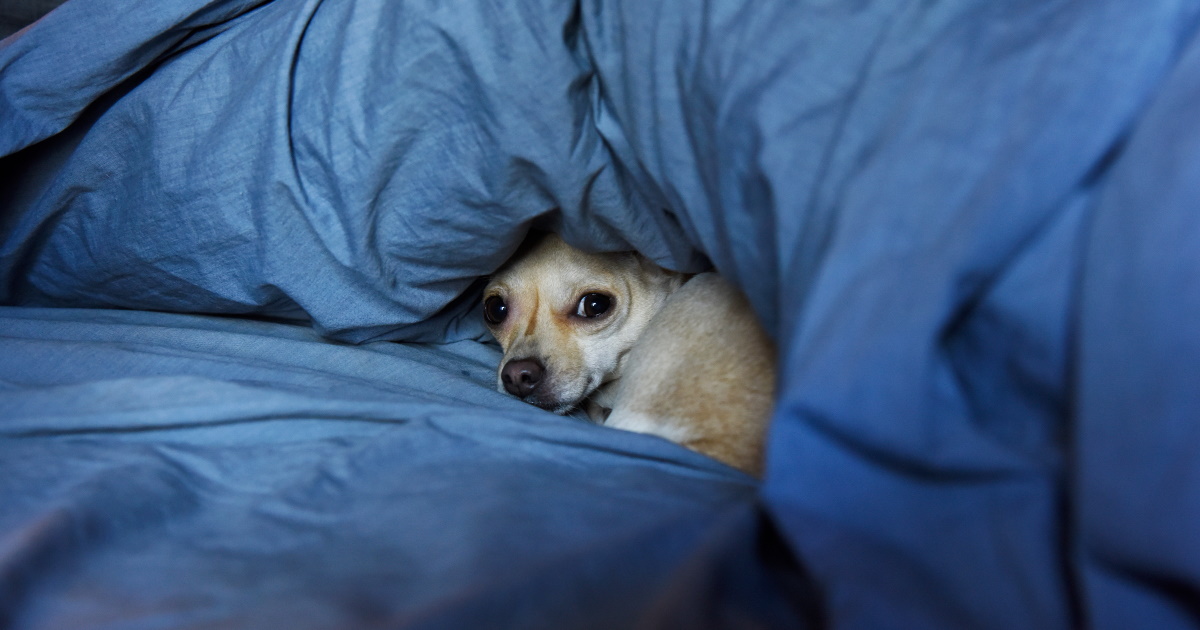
(566, 318)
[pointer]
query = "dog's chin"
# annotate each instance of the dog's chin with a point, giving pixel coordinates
(562, 409)
(563, 403)
(554, 400)
(556, 405)
(553, 406)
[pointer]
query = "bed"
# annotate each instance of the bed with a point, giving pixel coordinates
(244, 381)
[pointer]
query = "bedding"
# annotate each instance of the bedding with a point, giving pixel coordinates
(244, 382)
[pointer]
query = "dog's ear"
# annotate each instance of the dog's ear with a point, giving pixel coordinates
(659, 277)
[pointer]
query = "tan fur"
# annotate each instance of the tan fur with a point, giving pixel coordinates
(688, 364)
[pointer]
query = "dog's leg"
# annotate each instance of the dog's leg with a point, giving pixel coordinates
(595, 411)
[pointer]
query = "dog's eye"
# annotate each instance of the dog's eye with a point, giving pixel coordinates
(593, 305)
(495, 310)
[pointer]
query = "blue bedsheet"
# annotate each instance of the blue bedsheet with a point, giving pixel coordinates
(970, 227)
(186, 471)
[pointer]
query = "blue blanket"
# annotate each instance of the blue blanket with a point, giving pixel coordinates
(969, 226)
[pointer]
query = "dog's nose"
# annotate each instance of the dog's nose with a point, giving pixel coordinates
(521, 376)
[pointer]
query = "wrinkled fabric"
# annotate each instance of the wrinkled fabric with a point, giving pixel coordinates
(969, 226)
(302, 157)
(181, 471)
(906, 191)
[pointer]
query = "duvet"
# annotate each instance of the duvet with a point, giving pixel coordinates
(244, 381)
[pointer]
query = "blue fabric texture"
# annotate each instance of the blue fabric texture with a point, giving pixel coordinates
(970, 226)
(191, 471)
(304, 157)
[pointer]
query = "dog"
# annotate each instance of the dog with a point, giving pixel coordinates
(636, 346)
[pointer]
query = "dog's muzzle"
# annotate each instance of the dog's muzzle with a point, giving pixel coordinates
(521, 377)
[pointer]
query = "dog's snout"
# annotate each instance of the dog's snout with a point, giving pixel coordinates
(522, 376)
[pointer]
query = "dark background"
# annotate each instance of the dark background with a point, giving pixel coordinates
(17, 14)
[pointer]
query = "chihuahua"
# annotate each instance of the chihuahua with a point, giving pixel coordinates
(636, 346)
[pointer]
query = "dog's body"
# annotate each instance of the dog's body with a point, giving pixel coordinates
(638, 347)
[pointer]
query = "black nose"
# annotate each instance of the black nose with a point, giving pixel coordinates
(521, 376)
